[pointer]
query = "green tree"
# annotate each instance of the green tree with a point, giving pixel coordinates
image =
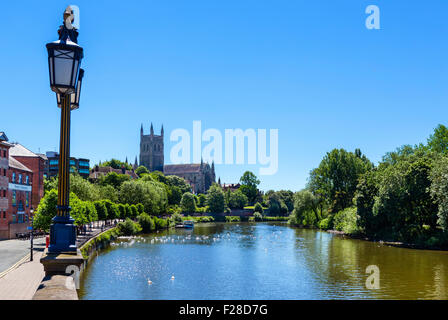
(116, 164)
(337, 176)
(305, 209)
(114, 179)
(438, 141)
(439, 190)
(188, 203)
(215, 199)
(46, 210)
(249, 185)
(141, 170)
(146, 222)
(101, 210)
(258, 208)
(237, 200)
(202, 200)
(151, 194)
(403, 204)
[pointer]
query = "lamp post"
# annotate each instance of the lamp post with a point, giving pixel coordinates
(32, 234)
(64, 60)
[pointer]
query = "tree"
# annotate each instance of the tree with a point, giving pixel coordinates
(439, 190)
(151, 194)
(114, 179)
(175, 181)
(101, 210)
(188, 203)
(146, 222)
(141, 170)
(403, 205)
(215, 199)
(305, 209)
(46, 210)
(107, 192)
(112, 210)
(202, 200)
(116, 164)
(438, 141)
(249, 185)
(174, 195)
(337, 176)
(237, 200)
(258, 208)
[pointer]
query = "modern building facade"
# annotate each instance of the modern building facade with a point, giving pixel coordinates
(199, 175)
(80, 165)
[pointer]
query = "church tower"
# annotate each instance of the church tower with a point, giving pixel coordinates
(151, 150)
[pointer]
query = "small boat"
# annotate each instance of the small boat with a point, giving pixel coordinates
(188, 224)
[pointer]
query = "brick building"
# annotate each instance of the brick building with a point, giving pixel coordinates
(4, 168)
(36, 163)
(21, 186)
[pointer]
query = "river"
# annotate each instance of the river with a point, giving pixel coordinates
(260, 261)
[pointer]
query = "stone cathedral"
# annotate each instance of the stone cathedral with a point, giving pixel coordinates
(200, 176)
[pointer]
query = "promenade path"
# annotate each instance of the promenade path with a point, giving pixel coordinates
(22, 277)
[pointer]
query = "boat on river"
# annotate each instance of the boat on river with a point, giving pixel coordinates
(188, 224)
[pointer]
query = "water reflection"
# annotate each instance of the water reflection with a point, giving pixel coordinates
(260, 261)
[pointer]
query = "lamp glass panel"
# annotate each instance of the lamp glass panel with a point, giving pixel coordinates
(63, 71)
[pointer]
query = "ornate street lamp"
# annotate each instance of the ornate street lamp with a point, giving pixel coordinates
(74, 97)
(64, 60)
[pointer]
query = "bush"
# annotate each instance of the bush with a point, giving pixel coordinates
(258, 216)
(233, 219)
(160, 223)
(258, 207)
(129, 227)
(177, 218)
(188, 203)
(326, 224)
(346, 221)
(146, 222)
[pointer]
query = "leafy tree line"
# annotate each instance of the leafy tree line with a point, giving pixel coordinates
(403, 198)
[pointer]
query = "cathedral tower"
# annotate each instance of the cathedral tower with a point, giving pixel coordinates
(151, 150)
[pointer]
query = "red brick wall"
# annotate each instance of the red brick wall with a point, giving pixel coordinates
(37, 165)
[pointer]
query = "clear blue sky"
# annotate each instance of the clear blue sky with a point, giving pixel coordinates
(308, 68)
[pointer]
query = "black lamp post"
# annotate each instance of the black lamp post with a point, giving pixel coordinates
(64, 60)
(32, 233)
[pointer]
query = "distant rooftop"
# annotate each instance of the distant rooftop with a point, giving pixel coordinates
(13, 163)
(17, 150)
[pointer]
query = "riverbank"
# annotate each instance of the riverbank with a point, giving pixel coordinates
(383, 242)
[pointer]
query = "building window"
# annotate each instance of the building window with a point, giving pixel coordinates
(13, 177)
(20, 179)
(14, 198)
(53, 162)
(27, 200)
(27, 180)
(4, 214)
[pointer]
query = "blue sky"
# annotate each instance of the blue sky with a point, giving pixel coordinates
(308, 68)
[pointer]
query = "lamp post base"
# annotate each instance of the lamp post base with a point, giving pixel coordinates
(62, 236)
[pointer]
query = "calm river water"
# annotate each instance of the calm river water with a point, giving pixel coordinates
(260, 261)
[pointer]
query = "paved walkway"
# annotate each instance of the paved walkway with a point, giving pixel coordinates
(19, 277)
(22, 283)
(11, 251)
